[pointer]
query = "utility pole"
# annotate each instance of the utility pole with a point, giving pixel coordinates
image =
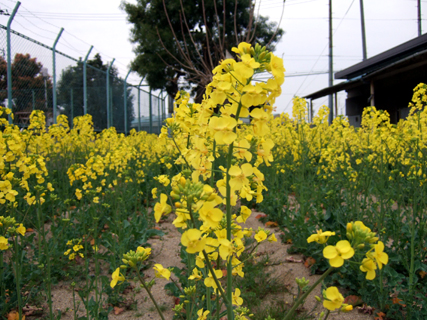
(331, 73)
(419, 17)
(362, 21)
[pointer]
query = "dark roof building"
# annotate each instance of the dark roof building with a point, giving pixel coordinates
(385, 81)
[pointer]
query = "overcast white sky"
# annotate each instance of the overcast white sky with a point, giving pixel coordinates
(304, 47)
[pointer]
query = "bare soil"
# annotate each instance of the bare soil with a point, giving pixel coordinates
(165, 250)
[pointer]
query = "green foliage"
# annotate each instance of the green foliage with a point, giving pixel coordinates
(70, 94)
(27, 82)
(258, 281)
(159, 57)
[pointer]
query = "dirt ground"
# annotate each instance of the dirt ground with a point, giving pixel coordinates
(165, 251)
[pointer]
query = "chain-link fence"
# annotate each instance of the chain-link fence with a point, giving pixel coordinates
(72, 87)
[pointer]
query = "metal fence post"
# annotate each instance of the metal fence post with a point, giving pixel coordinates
(85, 82)
(54, 74)
(139, 104)
(163, 107)
(9, 60)
(111, 107)
(151, 113)
(125, 104)
(108, 92)
(158, 114)
(71, 104)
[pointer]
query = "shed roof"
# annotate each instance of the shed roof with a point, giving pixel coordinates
(385, 58)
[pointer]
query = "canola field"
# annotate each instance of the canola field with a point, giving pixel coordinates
(79, 206)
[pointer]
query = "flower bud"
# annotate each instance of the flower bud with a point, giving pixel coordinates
(175, 195)
(346, 308)
(373, 239)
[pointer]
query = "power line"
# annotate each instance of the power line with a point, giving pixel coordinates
(317, 60)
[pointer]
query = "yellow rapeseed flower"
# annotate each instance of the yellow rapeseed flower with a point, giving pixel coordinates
(162, 207)
(237, 300)
(337, 254)
(116, 277)
(379, 255)
(260, 236)
(202, 315)
(193, 240)
(161, 272)
(333, 298)
(368, 266)
(3, 243)
(320, 237)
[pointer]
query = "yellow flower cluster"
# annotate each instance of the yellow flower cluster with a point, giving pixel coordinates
(201, 134)
(75, 246)
(359, 238)
(9, 228)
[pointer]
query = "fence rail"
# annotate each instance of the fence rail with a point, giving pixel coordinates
(74, 88)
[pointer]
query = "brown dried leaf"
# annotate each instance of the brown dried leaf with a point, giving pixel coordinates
(14, 315)
(309, 262)
(353, 300)
(118, 310)
(271, 224)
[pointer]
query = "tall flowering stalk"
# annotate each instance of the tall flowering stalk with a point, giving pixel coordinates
(202, 134)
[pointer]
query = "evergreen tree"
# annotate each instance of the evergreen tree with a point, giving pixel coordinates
(70, 94)
(29, 88)
(177, 38)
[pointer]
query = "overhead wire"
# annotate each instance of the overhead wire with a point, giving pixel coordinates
(317, 60)
(26, 14)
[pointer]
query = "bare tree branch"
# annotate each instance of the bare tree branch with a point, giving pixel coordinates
(173, 56)
(174, 35)
(251, 17)
(256, 22)
(223, 24)
(278, 25)
(235, 22)
(205, 66)
(221, 44)
(207, 37)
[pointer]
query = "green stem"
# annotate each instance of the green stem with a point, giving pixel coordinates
(208, 300)
(17, 270)
(230, 313)
(40, 229)
(75, 308)
(97, 294)
(217, 306)
(149, 293)
(381, 290)
(179, 150)
(48, 280)
(213, 164)
(305, 295)
(2, 289)
(215, 278)
(326, 315)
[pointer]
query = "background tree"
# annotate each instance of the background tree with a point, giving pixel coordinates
(70, 94)
(28, 84)
(177, 38)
